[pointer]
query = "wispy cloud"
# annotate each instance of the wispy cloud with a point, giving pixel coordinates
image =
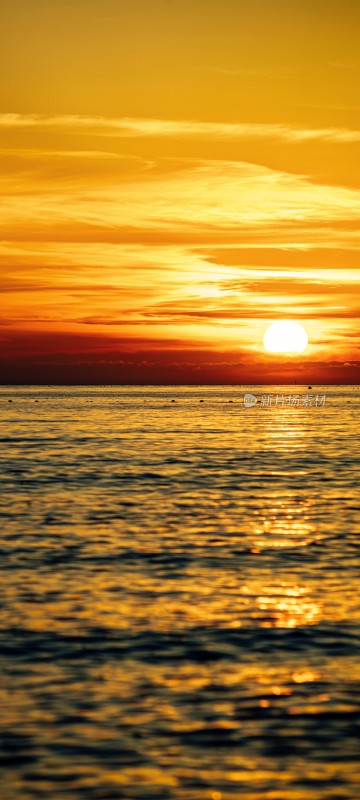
(203, 197)
(129, 127)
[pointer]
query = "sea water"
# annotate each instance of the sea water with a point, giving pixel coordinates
(180, 593)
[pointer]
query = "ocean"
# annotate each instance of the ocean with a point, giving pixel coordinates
(180, 593)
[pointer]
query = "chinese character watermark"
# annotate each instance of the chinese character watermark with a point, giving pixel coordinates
(281, 400)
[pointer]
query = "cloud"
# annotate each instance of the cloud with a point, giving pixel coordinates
(129, 127)
(293, 258)
(195, 199)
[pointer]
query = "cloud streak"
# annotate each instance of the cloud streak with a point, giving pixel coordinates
(129, 127)
(191, 197)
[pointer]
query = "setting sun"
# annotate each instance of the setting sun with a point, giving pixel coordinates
(285, 336)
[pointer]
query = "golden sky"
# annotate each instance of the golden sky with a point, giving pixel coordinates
(175, 177)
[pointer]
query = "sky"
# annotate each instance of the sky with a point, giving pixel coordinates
(176, 176)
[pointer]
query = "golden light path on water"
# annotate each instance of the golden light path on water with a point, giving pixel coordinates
(180, 615)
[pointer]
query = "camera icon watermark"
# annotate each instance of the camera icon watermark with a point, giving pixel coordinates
(249, 400)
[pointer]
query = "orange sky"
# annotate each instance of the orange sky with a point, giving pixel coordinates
(175, 177)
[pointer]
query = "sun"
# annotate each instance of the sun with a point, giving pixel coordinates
(285, 336)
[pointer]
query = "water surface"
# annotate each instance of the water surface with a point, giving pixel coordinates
(179, 593)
